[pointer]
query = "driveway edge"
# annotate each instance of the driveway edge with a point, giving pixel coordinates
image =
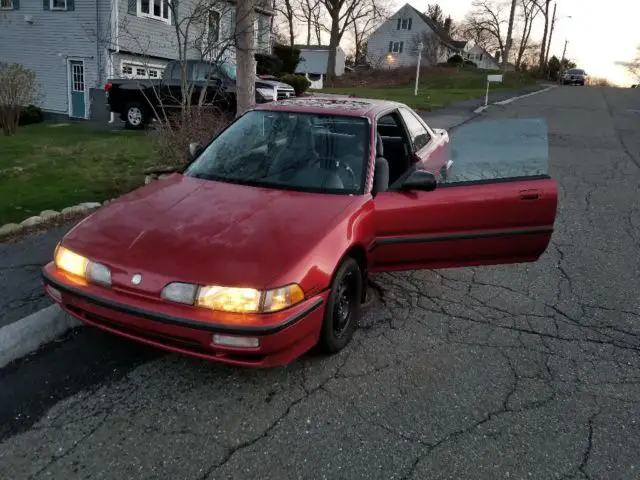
(29, 333)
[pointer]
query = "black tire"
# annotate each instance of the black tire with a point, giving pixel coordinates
(135, 116)
(346, 292)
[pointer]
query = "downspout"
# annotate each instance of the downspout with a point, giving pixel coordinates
(115, 28)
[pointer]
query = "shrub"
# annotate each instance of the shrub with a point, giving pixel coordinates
(30, 115)
(299, 83)
(268, 64)
(170, 139)
(470, 64)
(455, 60)
(18, 87)
(290, 57)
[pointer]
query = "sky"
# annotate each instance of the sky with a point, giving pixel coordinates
(599, 32)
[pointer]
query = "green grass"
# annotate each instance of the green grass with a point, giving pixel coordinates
(437, 89)
(56, 166)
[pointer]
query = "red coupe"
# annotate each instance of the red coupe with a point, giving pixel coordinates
(261, 248)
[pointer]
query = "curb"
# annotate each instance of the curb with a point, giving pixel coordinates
(30, 333)
(513, 99)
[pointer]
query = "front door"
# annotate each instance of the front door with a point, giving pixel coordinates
(78, 100)
(465, 225)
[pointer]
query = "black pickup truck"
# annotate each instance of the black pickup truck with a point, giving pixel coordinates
(136, 100)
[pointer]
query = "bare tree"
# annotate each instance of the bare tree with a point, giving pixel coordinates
(553, 24)
(310, 14)
(530, 11)
(361, 26)
(486, 23)
(633, 66)
(343, 13)
(287, 10)
(430, 47)
(245, 61)
(435, 13)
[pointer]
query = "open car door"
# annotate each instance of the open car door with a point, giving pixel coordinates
(498, 205)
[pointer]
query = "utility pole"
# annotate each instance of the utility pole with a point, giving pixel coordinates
(507, 47)
(553, 24)
(564, 52)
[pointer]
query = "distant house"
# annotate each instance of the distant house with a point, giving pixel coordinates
(483, 59)
(314, 62)
(74, 46)
(394, 43)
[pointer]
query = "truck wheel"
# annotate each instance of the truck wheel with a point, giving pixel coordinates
(342, 311)
(135, 117)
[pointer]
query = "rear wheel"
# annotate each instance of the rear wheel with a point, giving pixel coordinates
(342, 312)
(135, 116)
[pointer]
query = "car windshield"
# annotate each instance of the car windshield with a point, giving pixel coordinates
(576, 71)
(294, 151)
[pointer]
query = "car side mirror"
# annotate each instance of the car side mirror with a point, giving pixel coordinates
(195, 149)
(420, 180)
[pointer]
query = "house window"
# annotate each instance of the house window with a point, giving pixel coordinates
(404, 24)
(158, 9)
(135, 71)
(58, 4)
(6, 4)
(396, 47)
(141, 72)
(127, 70)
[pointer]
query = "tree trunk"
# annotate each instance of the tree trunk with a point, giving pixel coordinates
(334, 40)
(541, 62)
(507, 47)
(245, 63)
(553, 24)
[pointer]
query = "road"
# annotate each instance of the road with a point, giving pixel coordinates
(523, 371)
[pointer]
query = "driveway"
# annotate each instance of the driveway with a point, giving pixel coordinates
(523, 372)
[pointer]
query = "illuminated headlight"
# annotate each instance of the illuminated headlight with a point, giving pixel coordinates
(234, 299)
(266, 93)
(70, 262)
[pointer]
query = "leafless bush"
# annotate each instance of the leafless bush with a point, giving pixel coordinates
(18, 88)
(170, 140)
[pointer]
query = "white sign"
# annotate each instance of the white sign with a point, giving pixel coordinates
(494, 78)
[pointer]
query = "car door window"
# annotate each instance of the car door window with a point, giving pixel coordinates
(417, 132)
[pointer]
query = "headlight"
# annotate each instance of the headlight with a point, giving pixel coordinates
(234, 299)
(81, 267)
(266, 93)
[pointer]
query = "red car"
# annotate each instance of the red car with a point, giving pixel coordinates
(261, 248)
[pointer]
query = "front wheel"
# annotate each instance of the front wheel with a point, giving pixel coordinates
(342, 312)
(135, 116)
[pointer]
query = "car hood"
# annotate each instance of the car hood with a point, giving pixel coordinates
(205, 232)
(272, 83)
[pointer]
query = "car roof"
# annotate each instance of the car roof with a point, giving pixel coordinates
(332, 104)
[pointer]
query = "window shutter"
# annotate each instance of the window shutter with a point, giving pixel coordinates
(132, 8)
(409, 27)
(399, 23)
(401, 44)
(390, 46)
(16, 4)
(46, 5)
(71, 5)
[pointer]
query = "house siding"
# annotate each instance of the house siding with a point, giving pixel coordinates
(378, 42)
(46, 44)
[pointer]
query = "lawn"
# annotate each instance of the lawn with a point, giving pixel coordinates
(56, 166)
(437, 88)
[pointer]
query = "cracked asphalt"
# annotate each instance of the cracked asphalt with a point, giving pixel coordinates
(522, 372)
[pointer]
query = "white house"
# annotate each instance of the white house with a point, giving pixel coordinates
(314, 62)
(394, 43)
(483, 59)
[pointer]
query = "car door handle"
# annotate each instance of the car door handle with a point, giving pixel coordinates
(529, 194)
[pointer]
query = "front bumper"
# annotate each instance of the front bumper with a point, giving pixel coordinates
(182, 329)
